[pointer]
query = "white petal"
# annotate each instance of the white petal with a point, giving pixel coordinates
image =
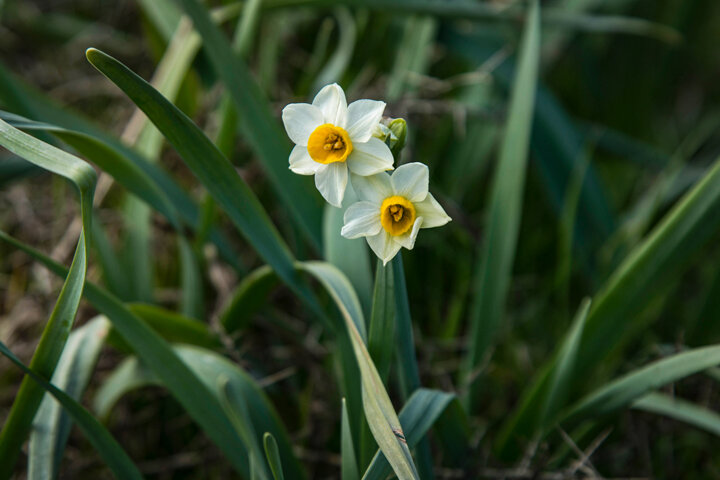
(331, 101)
(370, 158)
(362, 219)
(300, 120)
(384, 246)
(331, 181)
(432, 213)
(408, 240)
(411, 181)
(301, 162)
(374, 188)
(363, 116)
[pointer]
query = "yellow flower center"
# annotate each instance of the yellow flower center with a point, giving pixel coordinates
(397, 215)
(329, 144)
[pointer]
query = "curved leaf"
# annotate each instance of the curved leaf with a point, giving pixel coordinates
(379, 411)
(56, 331)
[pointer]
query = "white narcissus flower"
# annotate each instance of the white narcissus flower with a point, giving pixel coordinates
(392, 209)
(331, 137)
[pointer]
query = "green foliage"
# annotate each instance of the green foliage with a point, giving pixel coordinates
(234, 331)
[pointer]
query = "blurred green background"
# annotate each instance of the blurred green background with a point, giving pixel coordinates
(627, 120)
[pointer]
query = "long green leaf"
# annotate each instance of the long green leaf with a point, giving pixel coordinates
(56, 331)
(210, 166)
(563, 370)
(680, 410)
(348, 460)
(51, 427)
(110, 451)
(496, 256)
(625, 390)
(381, 331)
(379, 411)
(261, 130)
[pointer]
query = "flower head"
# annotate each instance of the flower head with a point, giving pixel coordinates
(392, 210)
(331, 137)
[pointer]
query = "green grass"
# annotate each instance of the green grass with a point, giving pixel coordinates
(204, 318)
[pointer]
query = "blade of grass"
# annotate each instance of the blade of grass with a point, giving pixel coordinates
(622, 392)
(496, 255)
(260, 129)
(52, 424)
(562, 373)
(680, 410)
(110, 451)
(56, 331)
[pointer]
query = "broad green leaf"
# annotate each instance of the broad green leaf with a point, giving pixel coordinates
(211, 168)
(51, 427)
(157, 354)
(348, 460)
(681, 410)
(422, 410)
(247, 298)
(273, 456)
(260, 129)
(110, 451)
(379, 411)
(47, 353)
(496, 255)
(622, 392)
(381, 332)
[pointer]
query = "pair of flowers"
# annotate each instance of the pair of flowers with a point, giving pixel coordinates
(339, 143)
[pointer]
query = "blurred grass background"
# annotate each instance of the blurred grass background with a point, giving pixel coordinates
(633, 117)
